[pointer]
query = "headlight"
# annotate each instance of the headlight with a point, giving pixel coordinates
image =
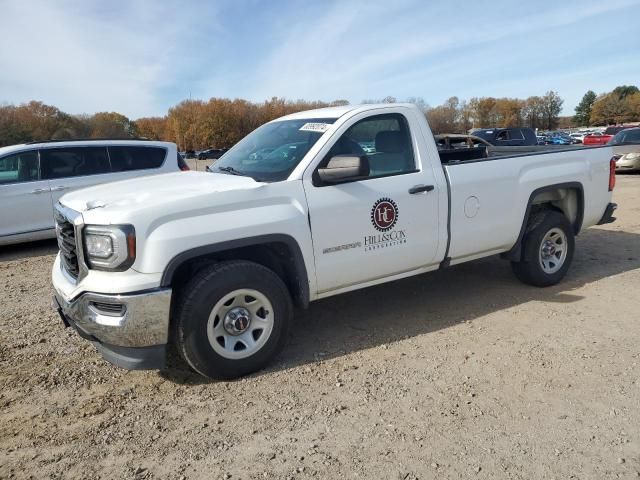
(109, 247)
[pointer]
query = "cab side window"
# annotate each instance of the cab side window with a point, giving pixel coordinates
(73, 162)
(384, 139)
(19, 167)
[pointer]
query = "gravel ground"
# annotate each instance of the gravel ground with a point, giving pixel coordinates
(463, 373)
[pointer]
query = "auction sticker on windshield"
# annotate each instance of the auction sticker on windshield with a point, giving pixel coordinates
(315, 127)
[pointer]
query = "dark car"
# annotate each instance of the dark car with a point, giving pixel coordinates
(189, 154)
(211, 154)
(507, 137)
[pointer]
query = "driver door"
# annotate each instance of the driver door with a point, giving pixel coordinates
(381, 225)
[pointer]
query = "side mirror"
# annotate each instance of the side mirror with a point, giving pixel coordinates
(344, 167)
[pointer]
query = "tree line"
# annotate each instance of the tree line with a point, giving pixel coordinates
(221, 122)
(620, 105)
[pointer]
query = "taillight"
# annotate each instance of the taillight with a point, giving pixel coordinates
(182, 165)
(612, 173)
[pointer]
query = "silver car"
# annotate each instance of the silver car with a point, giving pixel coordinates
(626, 147)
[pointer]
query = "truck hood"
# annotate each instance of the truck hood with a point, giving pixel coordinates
(154, 191)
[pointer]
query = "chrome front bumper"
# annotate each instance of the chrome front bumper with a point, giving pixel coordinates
(130, 330)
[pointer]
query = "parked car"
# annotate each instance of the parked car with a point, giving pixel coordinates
(34, 176)
(504, 137)
(560, 138)
(626, 147)
(211, 154)
(215, 262)
(189, 154)
(541, 139)
(597, 138)
(461, 147)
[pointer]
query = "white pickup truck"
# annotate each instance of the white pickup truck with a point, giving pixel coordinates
(307, 206)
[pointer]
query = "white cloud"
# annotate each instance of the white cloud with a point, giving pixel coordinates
(140, 57)
(87, 57)
(359, 50)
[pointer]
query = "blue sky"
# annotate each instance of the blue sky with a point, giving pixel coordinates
(140, 57)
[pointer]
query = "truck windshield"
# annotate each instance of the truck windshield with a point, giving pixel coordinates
(271, 152)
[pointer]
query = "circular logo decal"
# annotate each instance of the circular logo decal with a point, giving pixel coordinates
(384, 214)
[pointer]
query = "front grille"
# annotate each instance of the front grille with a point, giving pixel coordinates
(66, 234)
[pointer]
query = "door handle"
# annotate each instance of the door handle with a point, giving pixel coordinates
(59, 188)
(40, 190)
(421, 188)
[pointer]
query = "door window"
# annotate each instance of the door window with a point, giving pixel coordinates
(19, 167)
(516, 134)
(384, 139)
(136, 158)
(73, 162)
(503, 136)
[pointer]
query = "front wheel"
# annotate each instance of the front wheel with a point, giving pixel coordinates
(547, 249)
(233, 318)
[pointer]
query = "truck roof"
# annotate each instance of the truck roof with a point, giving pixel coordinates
(336, 112)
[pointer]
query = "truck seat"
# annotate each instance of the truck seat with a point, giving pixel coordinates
(392, 155)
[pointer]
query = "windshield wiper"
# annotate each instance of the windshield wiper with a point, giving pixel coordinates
(231, 171)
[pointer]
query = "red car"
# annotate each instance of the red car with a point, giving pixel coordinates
(602, 138)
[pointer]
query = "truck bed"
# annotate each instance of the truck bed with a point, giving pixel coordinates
(487, 195)
(467, 154)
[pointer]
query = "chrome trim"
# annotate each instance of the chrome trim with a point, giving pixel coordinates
(144, 321)
(76, 219)
(119, 248)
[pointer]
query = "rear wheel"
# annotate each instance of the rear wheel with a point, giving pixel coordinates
(233, 318)
(547, 249)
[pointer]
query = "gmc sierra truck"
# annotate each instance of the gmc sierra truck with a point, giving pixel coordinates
(307, 206)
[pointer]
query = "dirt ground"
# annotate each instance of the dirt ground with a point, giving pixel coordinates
(462, 373)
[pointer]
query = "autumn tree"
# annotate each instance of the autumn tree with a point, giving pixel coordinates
(483, 111)
(533, 112)
(444, 118)
(551, 108)
(508, 112)
(111, 125)
(610, 109)
(634, 106)
(183, 122)
(153, 128)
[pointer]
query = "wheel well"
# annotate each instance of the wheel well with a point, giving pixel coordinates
(276, 256)
(564, 200)
(567, 198)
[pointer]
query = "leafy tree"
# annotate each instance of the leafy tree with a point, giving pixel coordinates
(624, 91)
(111, 125)
(533, 112)
(583, 110)
(153, 128)
(483, 111)
(610, 109)
(551, 108)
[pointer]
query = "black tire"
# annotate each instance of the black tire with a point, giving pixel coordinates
(200, 296)
(529, 270)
